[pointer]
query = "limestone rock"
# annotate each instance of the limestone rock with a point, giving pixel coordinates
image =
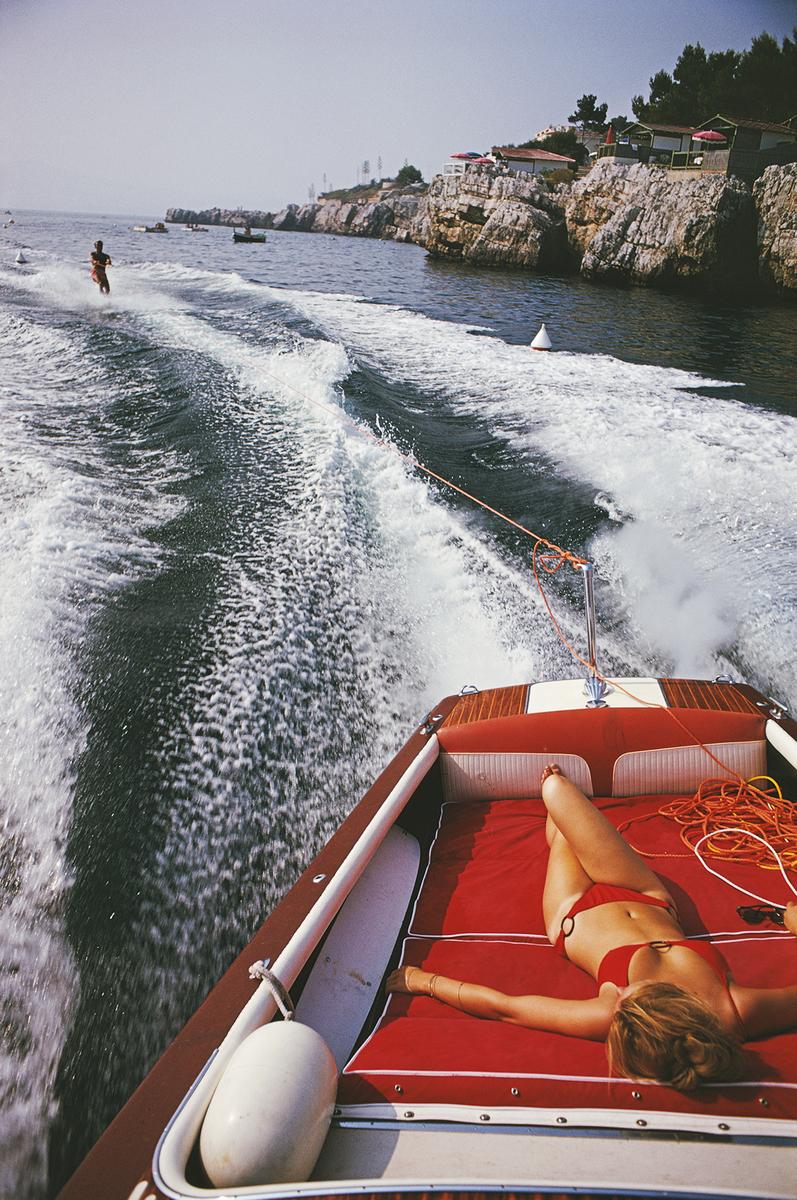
(220, 216)
(636, 224)
(775, 197)
(493, 220)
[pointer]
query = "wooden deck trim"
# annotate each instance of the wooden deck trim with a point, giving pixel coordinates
(700, 693)
(493, 702)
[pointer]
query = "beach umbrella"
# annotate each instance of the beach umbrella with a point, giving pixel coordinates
(607, 141)
(709, 135)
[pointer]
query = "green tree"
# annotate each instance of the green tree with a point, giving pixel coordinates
(408, 174)
(589, 114)
(760, 83)
(618, 123)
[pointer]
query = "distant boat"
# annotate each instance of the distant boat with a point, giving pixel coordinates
(190, 228)
(248, 236)
(159, 227)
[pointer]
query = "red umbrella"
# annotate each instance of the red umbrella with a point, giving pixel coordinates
(709, 135)
(607, 141)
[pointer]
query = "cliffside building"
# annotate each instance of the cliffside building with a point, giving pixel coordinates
(741, 147)
(750, 146)
(532, 162)
(646, 142)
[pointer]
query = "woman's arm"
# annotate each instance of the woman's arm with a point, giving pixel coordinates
(578, 1018)
(765, 1011)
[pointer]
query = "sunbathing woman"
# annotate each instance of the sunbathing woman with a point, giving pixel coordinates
(668, 1008)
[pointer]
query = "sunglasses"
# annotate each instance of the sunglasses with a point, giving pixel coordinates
(755, 914)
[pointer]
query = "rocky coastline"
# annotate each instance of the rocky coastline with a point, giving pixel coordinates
(623, 223)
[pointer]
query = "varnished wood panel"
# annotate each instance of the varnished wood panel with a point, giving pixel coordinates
(699, 693)
(493, 702)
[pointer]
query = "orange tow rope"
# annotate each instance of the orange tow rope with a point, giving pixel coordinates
(716, 798)
(718, 803)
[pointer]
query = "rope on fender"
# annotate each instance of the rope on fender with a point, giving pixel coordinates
(259, 970)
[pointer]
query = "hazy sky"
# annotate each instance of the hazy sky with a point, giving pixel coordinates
(127, 106)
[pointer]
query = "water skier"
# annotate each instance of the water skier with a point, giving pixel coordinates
(99, 264)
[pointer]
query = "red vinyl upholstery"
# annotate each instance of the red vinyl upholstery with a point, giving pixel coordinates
(478, 917)
(600, 735)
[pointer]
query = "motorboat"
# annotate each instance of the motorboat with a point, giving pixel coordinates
(196, 228)
(158, 227)
(247, 236)
(299, 1077)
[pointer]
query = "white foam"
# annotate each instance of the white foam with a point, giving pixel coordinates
(705, 478)
(71, 533)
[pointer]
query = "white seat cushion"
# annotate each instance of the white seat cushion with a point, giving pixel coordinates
(505, 776)
(681, 769)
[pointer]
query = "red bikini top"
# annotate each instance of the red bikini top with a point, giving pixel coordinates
(614, 965)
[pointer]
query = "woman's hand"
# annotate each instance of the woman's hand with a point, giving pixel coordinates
(790, 917)
(409, 979)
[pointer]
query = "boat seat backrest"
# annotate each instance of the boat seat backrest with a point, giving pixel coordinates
(681, 769)
(607, 752)
(485, 776)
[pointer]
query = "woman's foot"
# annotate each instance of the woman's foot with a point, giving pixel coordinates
(551, 769)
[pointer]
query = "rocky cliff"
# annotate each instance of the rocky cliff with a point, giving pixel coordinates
(621, 223)
(492, 220)
(635, 224)
(390, 213)
(775, 196)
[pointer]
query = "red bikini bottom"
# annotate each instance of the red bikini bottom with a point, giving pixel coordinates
(601, 893)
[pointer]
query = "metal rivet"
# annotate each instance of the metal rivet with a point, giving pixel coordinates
(640, 1121)
(763, 1100)
(561, 1120)
(319, 878)
(409, 1114)
(514, 1091)
(636, 1095)
(484, 1116)
(398, 1088)
(722, 1125)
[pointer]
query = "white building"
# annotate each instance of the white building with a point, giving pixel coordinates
(533, 162)
(459, 163)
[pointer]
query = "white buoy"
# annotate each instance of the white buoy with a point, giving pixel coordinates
(270, 1113)
(20, 257)
(542, 341)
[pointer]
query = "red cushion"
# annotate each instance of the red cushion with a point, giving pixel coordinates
(478, 917)
(437, 1055)
(600, 735)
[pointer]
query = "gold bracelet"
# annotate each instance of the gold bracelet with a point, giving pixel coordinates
(459, 994)
(431, 987)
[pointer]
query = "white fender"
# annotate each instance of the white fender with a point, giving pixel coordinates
(270, 1112)
(542, 341)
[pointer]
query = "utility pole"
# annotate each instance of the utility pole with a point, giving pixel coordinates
(311, 193)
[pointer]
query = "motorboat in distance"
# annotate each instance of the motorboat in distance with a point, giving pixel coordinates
(247, 236)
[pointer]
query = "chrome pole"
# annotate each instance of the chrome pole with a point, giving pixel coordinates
(594, 687)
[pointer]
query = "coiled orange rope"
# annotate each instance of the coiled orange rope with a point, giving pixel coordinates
(720, 803)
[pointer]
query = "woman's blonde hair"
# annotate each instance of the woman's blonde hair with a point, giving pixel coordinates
(664, 1033)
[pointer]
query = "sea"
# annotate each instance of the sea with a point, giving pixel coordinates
(228, 594)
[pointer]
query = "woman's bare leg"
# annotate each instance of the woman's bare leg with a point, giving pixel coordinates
(602, 853)
(565, 882)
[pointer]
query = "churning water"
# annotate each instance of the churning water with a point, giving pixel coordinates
(224, 604)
